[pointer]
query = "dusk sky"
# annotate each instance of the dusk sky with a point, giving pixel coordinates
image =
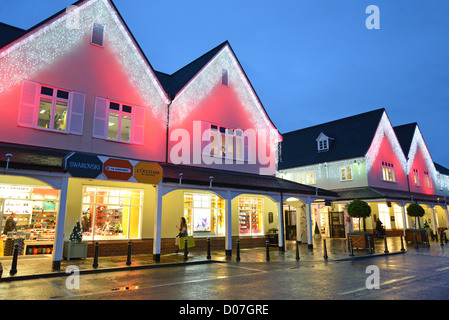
(310, 61)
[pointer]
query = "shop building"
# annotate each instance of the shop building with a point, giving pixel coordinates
(365, 157)
(126, 150)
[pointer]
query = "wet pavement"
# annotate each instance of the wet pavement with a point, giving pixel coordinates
(324, 249)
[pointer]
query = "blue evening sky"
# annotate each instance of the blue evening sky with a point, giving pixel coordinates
(310, 61)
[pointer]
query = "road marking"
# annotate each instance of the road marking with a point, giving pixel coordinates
(58, 287)
(442, 269)
(383, 284)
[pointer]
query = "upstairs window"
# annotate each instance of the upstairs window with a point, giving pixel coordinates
(323, 145)
(226, 142)
(346, 173)
(388, 173)
(306, 177)
(53, 108)
(119, 124)
(427, 179)
(323, 142)
(98, 34)
(416, 177)
(224, 77)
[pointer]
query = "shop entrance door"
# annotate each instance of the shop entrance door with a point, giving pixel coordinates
(290, 222)
(336, 225)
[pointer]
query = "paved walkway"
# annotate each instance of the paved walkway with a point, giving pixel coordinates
(29, 267)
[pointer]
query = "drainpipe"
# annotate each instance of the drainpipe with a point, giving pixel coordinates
(167, 133)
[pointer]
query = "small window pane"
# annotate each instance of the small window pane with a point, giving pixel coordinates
(125, 132)
(127, 109)
(113, 126)
(97, 34)
(114, 106)
(60, 116)
(47, 91)
(62, 94)
(43, 120)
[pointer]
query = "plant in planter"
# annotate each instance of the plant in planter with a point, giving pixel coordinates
(317, 232)
(360, 209)
(75, 247)
(416, 211)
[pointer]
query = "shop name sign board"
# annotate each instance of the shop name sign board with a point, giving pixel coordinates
(118, 169)
(148, 172)
(83, 165)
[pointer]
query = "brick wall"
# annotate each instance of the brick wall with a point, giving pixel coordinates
(145, 246)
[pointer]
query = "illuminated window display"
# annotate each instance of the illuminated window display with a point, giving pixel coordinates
(204, 214)
(36, 211)
(250, 215)
(111, 213)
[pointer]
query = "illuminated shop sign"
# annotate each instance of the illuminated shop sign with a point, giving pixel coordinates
(83, 165)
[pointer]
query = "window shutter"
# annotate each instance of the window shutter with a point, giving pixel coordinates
(77, 101)
(30, 96)
(138, 125)
(100, 118)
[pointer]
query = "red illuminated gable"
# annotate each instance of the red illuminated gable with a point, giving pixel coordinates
(64, 32)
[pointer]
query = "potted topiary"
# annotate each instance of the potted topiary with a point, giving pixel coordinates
(416, 211)
(75, 247)
(361, 239)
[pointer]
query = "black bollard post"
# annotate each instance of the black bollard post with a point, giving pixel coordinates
(402, 243)
(238, 250)
(95, 264)
(369, 245)
(208, 248)
(268, 250)
(297, 250)
(441, 239)
(436, 236)
(416, 241)
(445, 237)
(351, 248)
(325, 249)
(1, 270)
(13, 270)
(386, 246)
(128, 259)
(186, 252)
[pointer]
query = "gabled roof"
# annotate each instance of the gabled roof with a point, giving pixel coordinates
(405, 134)
(175, 82)
(441, 169)
(9, 33)
(352, 138)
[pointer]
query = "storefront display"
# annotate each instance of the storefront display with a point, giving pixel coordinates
(36, 213)
(111, 213)
(250, 215)
(204, 214)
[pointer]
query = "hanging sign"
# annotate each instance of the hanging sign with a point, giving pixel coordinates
(118, 169)
(148, 172)
(83, 165)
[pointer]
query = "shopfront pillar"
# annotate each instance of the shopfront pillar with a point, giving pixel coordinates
(404, 217)
(309, 223)
(60, 224)
(434, 220)
(281, 225)
(158, 224)
(228, 224)
(446, 214)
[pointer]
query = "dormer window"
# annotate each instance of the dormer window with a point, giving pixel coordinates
(323, 142)
(98, 34)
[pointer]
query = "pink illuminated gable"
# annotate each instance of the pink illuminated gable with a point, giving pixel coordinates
(61, 34)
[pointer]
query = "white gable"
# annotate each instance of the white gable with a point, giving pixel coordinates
(418, 141)
(39, 48)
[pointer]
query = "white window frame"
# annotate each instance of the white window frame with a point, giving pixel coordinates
(427, 182)
(54, 99)
(344, 171)
(416, 180)
(120, 113)
(388, 173)
(306, 177)
(102, 36)
(228, 134)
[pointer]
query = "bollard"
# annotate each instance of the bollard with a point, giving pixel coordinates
(427, 239)
(416, 241)
(1, 270)
(128, 259)
(386, 246)
(369, 245)
(297, 250)
(268, 250)
(402, 243)
(445, 237)
(441, 239)
(95, 264)
(186, 252)
(436, 236)
(351, 248)
(325, 249)
(238, 250)
(208, 248)
(13, 270)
